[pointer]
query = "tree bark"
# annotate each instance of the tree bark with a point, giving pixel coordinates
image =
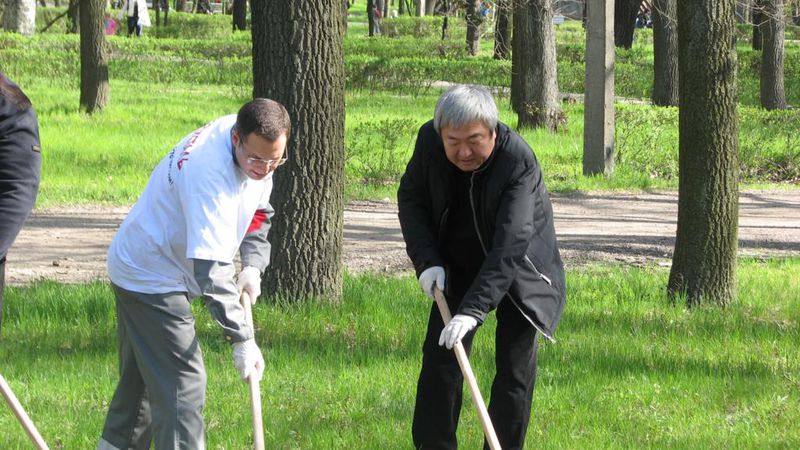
(19, 16)
(298, 60)
(473, 27)
(180, 5)
(239, 15)
(74, 14)
(502, 31)
(94, 67)
(371, 17)
(796, 13)
(430, 7)
(772, 33)
(665, 49)
(534, 84)
(625, 22)
(758, 18)
(704, 262)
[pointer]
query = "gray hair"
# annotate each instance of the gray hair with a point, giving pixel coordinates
(463, 104)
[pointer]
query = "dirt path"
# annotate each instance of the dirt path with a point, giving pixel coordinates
(69, 245)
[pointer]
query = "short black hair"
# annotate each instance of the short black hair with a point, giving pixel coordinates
(13, 93)
(264, 117)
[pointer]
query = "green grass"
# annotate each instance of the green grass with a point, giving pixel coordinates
(630, 369)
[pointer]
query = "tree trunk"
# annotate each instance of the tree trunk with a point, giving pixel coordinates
(297, 55)
(239, 15)
(94, 67)
(371, 17)
(157, 8)
(758, 19)
(166, 13)
(625, 22)
(19, 16)
(743, 11)
(665, 49)
(502, 32)
(473, 27)
(446, 20)
(430, 7)
(421, 7)
(704, 262)
(534, 84)
(796, 13)
(180, 5)
(74, 14)
(401, 7)
(772, 33)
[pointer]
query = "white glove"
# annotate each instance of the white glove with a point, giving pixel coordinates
(249, 280)
(248, 360)
(458, 327)
(430, 276)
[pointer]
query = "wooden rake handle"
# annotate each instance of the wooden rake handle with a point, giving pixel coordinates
(22, 416)
(255, 389)
(466, 370)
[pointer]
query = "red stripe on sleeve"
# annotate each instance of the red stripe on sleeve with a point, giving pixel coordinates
(258, 218)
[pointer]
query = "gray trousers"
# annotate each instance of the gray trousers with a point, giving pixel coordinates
(162, 385)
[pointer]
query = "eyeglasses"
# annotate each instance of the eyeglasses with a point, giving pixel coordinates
(258, 163)
(267, 164)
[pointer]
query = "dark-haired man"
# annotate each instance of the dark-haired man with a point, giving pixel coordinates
(208, 198)
(20, 163)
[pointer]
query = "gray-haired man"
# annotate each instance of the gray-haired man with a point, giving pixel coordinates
(478, 224)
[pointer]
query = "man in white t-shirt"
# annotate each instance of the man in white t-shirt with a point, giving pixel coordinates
(207, 198)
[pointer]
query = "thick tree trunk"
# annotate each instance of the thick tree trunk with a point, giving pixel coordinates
(421, 7)
(665, 49)
(625, 22)
(239, 15)
(534, 84)
(502, 31)
(94, 67)
(19, 16)
(473, 27)
(180, 5)
(294, 62)
(758, 19)
(704, 262)
(401, 7)
(74, 14)
(430, 7)
(772, 33)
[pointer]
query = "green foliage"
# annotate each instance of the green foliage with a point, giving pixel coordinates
(630, 369)
(418, 27)
(769, 145)
(377, 152)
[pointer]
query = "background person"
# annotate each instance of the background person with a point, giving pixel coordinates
(478, 224)
(207, 198)
(20, 165)
(136, 15)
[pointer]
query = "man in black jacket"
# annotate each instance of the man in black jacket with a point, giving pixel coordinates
(478, 225)
(20, 161)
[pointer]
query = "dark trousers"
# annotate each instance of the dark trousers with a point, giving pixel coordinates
(438, 403)
(133, 26)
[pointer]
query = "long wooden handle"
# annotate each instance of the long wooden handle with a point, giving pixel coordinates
(23, 418)
(255, 389)
(466, 370)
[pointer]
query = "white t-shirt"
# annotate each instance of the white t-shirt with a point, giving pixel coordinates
(197, 204)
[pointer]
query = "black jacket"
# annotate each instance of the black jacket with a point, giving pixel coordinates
(512, 212)
(20, 160)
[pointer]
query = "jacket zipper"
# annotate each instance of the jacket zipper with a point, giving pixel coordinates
(539, 272)
(483, 247)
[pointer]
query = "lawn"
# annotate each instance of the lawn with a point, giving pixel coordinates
(629, 369)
